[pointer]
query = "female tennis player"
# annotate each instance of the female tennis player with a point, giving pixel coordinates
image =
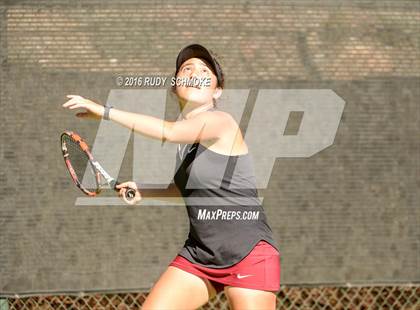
(230, 245)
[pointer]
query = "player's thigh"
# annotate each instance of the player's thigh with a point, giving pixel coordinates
(178, 289)
(249, 299)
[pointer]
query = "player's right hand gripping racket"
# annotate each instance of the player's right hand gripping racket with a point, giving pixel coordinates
(84, 170)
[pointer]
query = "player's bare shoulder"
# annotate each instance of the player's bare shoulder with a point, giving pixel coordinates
(220, 118)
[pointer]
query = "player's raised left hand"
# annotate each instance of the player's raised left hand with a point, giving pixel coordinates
(92, 110)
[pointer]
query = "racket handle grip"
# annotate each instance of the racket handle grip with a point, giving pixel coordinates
(129, 193)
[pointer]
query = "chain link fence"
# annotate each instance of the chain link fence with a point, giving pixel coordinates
(321, 297)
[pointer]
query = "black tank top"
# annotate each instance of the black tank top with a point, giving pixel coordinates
(226, 217)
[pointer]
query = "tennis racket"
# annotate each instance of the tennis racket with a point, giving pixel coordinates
(86, 173)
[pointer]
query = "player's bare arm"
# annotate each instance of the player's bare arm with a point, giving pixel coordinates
(204, 126)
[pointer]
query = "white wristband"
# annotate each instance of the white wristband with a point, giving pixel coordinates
(106, 112)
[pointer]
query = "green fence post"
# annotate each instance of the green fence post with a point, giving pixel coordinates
(4, 305)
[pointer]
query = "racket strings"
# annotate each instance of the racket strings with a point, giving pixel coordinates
(79, 160)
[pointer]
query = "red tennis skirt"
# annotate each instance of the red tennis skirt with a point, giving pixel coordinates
(260, 270)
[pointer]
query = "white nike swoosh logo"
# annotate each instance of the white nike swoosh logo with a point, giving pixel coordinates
(244, 276)
(190, 150)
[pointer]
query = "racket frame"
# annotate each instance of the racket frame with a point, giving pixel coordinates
(96, 167)
(84, 147)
